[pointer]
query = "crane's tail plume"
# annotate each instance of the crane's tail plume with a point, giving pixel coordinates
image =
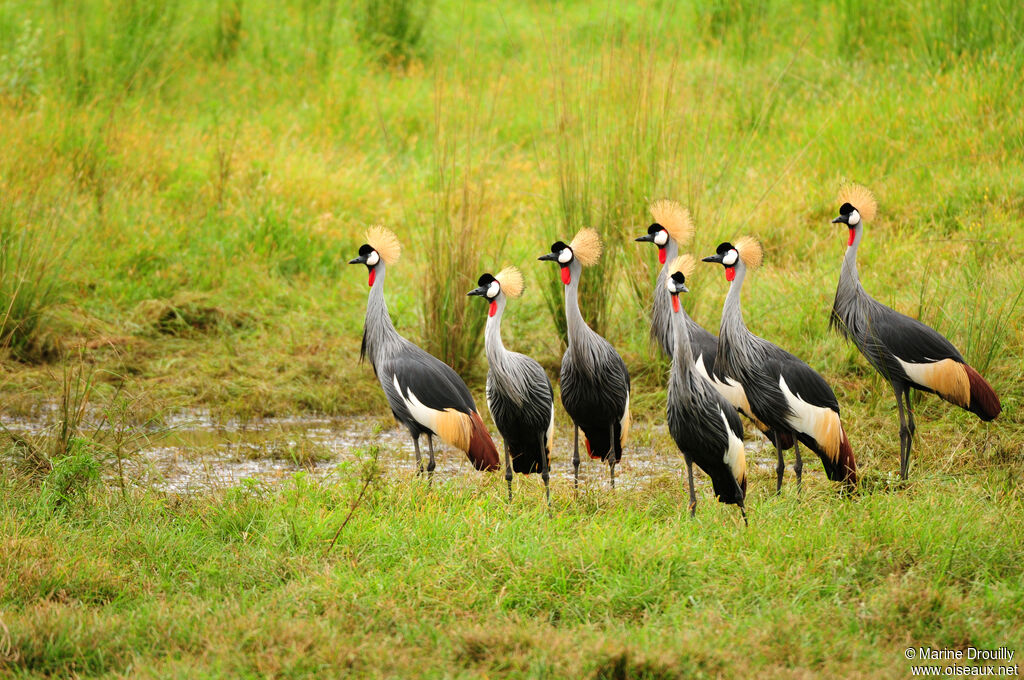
(833, 448)
(847, 465)
(984, 401)
(482, 452)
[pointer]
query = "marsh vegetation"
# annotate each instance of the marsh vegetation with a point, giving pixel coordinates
(182, 182)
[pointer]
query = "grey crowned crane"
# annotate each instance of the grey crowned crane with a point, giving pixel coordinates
(783, 391)
(907, 353)
(594, 379)
(425, 394)
(703, 424)
(673, 227)
(519, 394)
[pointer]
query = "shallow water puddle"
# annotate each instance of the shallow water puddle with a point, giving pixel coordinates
(193, 452)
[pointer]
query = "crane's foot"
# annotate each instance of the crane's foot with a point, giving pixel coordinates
(743, 513)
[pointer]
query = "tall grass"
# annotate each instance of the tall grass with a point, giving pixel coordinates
(616, 136)
(394, 30)
(460, 234)
(33, 246)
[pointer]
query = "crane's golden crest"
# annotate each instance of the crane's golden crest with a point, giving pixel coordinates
(750, 251)
(384, 241)
(586, 246)
(684, 264)
(511, 281)
(675, 218)
(861, 198)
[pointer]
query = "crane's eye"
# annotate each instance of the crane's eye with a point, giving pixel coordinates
(493, 289)
(729, 259)
(373, 258)
(564, 256)
(661, 237)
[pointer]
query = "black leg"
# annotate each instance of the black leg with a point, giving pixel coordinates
(780, 468)
(508, 473)
(430, 463)
(911, 429)
(576, 459)
(693, 494)
(798, 466)
(419, 458)
(611, 454)
(545, 470)
(741, 496)
(904, 435)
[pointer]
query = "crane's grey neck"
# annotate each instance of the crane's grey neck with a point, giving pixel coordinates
(732, 312)
(849, 270)
(682, 354)
(380, 339)
(671, 252)
(575, 325)
(682, 347)
(493, 346)
(850, 309)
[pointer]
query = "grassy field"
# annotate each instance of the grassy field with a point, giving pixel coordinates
(182, 182)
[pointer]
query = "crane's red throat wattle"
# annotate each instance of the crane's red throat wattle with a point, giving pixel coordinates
(675, 303)
(373, 277)
(661, 255)
(853, 233)
(566, 275)
(730, 273)
(494, 308)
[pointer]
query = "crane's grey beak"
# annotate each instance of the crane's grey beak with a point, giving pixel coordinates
(713, 258)
(842, 219)
(479, 290)
(682, 288)
(548, 257)
(646, 238)
(358, 260)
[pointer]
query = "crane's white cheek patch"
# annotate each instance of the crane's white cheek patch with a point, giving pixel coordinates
(565, 256)
(730, 258)
(854, 219)
(735, 456)
(814, 421)
(947, 377)
(492, 290)
(661, 238)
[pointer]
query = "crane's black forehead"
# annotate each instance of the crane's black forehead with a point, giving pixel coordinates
(558, 246)
(655, 228)
(846, 209)
(365, 249)
(724, 247)
(678, 277)
(485, 280)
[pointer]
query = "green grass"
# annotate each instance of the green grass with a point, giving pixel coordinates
(454, 582)
(181, 184)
